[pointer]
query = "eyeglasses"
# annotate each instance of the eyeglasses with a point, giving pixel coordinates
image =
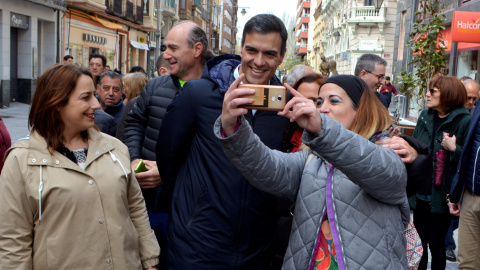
(379, 76)
(472, 98)
(433, 90)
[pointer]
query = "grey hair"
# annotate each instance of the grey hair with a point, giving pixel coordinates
(295, 74)
(469, 80)
(112, 75)
(368, 62)
(195, 35)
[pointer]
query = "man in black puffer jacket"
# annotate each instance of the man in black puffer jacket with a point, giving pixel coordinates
(186, 56)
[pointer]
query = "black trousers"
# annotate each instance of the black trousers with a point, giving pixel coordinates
(432, 229)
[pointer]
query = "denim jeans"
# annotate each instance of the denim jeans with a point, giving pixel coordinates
(449, 241)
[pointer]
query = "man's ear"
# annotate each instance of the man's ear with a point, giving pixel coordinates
(198, 47)
(362, 74)
(162, 71)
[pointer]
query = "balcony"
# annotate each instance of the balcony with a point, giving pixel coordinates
(305, 19)
(129, 11)
(304, 34)
(117, 7)
(139, 15)
(303, 6)
(301, 49)
(206, 15)
(169, 7)
(368, 16)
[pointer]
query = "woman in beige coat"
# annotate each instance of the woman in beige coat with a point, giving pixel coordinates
(69, 199)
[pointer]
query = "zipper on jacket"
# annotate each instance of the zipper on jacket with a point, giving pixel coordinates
(331, 219)
(197, 205)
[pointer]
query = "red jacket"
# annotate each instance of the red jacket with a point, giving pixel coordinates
(388, 88)
(5, 142)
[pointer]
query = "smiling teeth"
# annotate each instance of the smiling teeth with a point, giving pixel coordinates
(257, 70)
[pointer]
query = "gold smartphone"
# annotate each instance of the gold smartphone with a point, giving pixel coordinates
(266, 97)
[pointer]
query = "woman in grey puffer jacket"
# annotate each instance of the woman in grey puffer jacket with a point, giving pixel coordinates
(351, 208)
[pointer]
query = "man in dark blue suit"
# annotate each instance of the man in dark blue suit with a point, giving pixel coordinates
(465, 196)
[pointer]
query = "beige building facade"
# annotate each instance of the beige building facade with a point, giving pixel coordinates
(355, 27)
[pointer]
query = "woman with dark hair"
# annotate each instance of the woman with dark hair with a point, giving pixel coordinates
(443, 127)
(69, 199)
(351, 208)
(308, 86)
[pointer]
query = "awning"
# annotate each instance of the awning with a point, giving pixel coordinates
(107, 23)
(138, 45)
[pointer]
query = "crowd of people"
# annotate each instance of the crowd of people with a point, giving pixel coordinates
(326, 183)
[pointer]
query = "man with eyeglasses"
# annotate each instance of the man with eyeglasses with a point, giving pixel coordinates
(371, 69)
(109, 89)
(472, 93)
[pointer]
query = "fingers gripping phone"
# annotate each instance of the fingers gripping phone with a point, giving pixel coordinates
(140, 167)
(266, 97)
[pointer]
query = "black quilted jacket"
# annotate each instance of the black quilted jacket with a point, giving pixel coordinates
(143, 123)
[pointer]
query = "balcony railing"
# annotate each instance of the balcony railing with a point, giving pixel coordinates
(367, 13)
(206, 15)
(169, 3)
(139, 15)
(129, 11)
(169, 7)
(117, 7)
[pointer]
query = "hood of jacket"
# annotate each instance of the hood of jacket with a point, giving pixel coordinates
(220, 70)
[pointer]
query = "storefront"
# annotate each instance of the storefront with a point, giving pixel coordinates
(466, 32)
(138, 49)
(88, 34)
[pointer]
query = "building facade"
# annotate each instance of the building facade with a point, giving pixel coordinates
(356, 27)
(29, 30)
(463, 57)
(315, 29)
(302, 24)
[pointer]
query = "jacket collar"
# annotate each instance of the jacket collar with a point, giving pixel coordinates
(38, 154)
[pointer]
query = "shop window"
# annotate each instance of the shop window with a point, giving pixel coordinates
(109, 55)
(468, 64)
(77, 52)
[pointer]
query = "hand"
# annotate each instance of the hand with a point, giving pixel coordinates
(303, 111)
(407, 153)
(455, 208)
(394, 131)
(449, 143)
(150, 178)
(231, 102)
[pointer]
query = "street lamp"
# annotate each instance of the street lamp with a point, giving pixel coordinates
(159, 29)
(378, 4)
(243, 12)
(336, 35)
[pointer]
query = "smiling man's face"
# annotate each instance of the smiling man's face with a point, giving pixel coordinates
(261, 55)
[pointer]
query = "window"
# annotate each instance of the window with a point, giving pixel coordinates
(401, 37)
(369, 3)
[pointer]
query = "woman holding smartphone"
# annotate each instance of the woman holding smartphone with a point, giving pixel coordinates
(68, 197)
(351, 208)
